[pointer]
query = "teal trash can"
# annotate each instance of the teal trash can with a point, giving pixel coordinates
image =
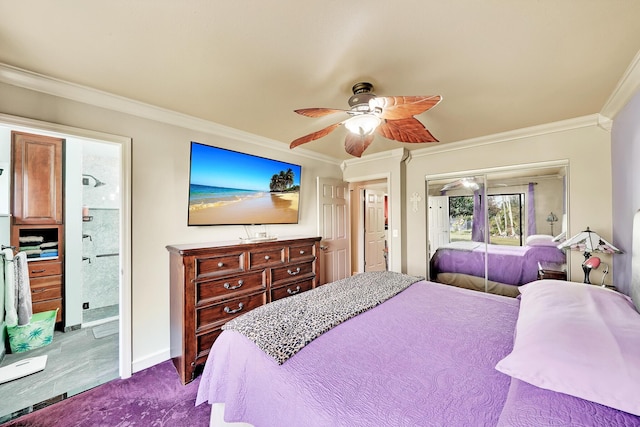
(38, 333)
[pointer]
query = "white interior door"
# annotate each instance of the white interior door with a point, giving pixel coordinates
(438, 222)
(374, 232)
(333, 227)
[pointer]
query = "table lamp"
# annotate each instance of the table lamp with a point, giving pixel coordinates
(588, 242)
(551, 218)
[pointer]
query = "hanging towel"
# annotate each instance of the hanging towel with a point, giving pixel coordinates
(10, 297)
(23, 288)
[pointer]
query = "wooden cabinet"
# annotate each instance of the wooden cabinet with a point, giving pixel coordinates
(213, 283)
(37, 213)
(37, 179)
(46, 273)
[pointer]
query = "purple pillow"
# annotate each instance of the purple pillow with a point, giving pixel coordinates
(577, 339)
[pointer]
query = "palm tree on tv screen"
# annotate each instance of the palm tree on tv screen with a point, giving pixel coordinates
(282, 181)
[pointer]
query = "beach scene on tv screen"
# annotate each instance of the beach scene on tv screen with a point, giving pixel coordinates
(228, 187)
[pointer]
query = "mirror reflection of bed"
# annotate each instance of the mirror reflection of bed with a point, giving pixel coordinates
(491, 230)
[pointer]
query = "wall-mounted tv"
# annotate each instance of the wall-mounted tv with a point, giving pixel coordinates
(231, 188)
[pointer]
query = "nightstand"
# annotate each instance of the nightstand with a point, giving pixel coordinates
(552, 270)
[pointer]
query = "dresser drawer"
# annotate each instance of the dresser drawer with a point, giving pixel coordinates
(292, 272)
(46, 288)
(291, 289)
(271, 257)
(218, 314)
(203, 344)
(229, 287)
(302, 252)
(52, 304)
(44, 268)
(218, 265)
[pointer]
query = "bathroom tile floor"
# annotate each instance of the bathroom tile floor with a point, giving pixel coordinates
(93, 314)
(77, 361)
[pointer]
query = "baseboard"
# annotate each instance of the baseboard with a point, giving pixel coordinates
(151, 360)
(71, 328)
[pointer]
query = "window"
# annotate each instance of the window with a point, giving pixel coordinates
(504, 218)
(460, 218)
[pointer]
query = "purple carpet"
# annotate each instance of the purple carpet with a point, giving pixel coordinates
(153, 397)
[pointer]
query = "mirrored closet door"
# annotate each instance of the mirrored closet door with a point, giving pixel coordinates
(494, 230)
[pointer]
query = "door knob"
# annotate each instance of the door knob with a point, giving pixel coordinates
(324, 248)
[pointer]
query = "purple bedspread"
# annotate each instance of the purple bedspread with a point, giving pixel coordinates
(425, 357)
(513, 265)
(528, 405)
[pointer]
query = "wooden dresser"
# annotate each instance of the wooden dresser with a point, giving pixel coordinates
(212, 283)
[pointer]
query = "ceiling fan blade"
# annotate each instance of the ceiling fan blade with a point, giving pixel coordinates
(318, 112)
(314, 135)
(405, 130)
(400, 107)
(356, 144)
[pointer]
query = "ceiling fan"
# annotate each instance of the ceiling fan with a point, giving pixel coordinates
(388, 116)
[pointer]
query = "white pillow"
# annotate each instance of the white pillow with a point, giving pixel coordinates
(578, 339)
(538, 238)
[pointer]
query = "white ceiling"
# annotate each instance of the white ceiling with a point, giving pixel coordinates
(500, 65)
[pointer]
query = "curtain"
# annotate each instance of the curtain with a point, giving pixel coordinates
(477, 228)
(531, 211)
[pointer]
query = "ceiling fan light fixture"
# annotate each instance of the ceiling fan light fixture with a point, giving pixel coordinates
(363, 124)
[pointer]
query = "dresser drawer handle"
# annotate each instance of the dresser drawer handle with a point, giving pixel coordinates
(38, 291)
(229, 311)
(301, 252)
(38, 271)
(227, 285)
(293, 273)
(267, 257)
(221, 264)
(290, 292)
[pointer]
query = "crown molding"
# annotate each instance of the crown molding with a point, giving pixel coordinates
(41, 83)
(626, 88)
(398, 154)
(548, 128)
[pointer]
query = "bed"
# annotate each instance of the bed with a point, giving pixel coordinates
(507, 265)
(432, 355)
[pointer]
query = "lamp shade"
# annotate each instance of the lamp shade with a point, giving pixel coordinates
(589, 241)
(363, 124)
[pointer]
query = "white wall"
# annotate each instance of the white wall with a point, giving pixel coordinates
(625, 156)
(73, 233)
(585, 145)
(160, 162)
(5, 220)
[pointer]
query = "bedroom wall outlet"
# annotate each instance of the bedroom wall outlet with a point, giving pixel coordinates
(85, 305)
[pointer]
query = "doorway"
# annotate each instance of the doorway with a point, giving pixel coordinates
(370, 222)
(375, 229)
(115, 200)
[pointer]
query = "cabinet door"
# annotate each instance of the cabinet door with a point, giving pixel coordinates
(37, 179)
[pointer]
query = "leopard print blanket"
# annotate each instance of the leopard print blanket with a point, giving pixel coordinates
(285, 326)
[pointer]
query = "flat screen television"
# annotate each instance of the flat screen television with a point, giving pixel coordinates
(231, 188)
